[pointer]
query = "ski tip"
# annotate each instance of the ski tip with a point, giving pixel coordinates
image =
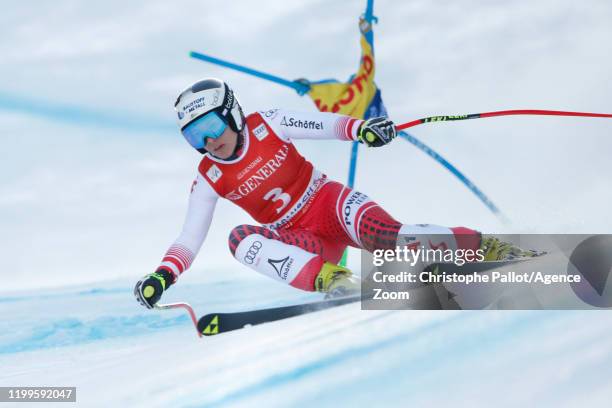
(209, 325)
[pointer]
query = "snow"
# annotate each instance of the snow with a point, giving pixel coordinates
(93, 194)
(115, 352)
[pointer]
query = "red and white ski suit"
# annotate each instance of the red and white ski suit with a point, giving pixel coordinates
(306, 219)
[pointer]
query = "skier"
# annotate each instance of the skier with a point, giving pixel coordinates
(306, 219)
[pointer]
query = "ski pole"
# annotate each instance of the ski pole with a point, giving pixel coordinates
(369, 12)
(181, 305)
(298, 86)
(447, 118)
(458, 174)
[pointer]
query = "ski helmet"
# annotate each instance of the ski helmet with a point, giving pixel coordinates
(205, 107)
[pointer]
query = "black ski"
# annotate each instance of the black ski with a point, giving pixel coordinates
(216, 323)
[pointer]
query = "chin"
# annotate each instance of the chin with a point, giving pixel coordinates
(223, 154)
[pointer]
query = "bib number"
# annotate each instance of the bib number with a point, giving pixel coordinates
(277, 194)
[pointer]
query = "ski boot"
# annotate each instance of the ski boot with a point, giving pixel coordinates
(336, 281)
(496, 250)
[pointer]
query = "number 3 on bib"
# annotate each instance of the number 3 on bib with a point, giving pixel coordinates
(277, 194)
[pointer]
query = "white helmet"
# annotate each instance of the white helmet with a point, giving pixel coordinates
(205, 96)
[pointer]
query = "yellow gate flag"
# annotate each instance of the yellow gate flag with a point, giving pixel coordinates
(359, 98)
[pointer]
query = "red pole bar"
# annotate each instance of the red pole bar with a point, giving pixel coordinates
(500, 113)
(181, 305)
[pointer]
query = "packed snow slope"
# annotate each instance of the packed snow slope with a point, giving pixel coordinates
(117, 354)
(95, 181)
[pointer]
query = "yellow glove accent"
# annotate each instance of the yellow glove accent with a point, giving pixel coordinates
(149, 291)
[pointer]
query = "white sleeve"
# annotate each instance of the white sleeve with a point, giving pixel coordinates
(202, 202)
(289, 125)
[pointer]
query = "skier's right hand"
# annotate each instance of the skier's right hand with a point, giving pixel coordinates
(150, 288)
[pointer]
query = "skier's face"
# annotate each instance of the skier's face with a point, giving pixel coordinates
(223, 146)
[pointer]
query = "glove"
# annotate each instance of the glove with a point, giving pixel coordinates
(376, 132)
(149, 289)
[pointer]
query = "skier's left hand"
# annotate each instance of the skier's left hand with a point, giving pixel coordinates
(376, 132)
(149, 289)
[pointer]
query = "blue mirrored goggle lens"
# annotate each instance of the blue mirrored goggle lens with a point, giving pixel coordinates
(210, 125)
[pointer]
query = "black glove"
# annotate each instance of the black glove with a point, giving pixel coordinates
(376, 132)
(149, 289)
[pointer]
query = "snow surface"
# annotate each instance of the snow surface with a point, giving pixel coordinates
(92, 195)
(97, 339)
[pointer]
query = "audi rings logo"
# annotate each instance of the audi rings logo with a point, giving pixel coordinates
(252, 252)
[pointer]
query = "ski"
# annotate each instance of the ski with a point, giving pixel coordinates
(216, 323)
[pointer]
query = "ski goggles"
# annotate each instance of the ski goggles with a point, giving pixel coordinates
(210, 125)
